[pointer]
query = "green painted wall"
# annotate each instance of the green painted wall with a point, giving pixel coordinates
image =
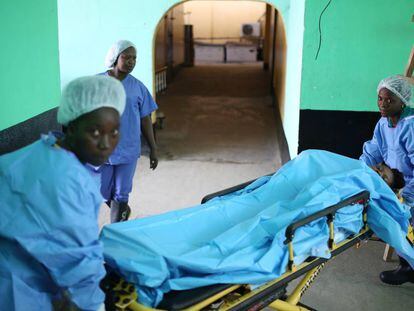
(88, 28)
(363, 41)
(29, 59)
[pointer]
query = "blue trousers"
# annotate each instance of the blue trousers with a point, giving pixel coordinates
(116, 181)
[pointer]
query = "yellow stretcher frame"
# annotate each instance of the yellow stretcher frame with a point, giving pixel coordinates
(288, 303)
(271, 297)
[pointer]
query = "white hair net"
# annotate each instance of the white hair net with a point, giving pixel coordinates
(89, 93)
(400, 86)
(116, 49)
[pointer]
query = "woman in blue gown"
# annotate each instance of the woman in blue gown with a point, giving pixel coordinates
(117, 174)
(50, 255)
(393, 144)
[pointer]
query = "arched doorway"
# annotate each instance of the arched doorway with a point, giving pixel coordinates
(139, 24)
(221, 118)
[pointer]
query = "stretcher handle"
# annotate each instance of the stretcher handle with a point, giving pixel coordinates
(361, 197)
(210, 196)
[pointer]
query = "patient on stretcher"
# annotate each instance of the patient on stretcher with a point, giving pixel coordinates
(239, 238)
(393, 177)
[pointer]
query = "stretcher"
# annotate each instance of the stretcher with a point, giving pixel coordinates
(121, 295)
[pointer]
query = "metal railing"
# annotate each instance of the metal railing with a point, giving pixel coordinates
(161, 80)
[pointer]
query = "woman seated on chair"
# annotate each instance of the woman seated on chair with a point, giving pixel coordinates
(393, 144)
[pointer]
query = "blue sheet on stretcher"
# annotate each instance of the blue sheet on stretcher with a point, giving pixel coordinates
(238, 238)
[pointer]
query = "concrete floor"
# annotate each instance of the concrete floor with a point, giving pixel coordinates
(220, 131)
(350, 282)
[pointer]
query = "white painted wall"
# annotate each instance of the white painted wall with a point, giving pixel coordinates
(295, 27)
(218, 19)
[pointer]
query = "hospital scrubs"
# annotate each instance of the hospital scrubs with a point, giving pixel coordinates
(48, 229)
(118, 173)
(395, 147)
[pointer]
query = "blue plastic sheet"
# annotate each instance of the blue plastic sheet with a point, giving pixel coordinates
(238, 238)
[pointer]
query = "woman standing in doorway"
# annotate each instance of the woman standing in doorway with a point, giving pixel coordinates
(117, 174)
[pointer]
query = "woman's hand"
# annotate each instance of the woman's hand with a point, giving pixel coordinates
(153, 158)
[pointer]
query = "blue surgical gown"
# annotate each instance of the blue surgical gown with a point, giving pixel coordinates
(139, 104)
(395, 147)
(48, 229)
